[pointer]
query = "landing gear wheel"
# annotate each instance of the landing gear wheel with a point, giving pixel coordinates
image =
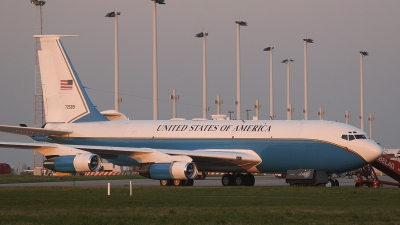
(336, 183)
(190, 182)
(330, 183)
(250, 179)
(179, 182)
(165, 182)
(357, 184)
(239, 180)
(227, 180)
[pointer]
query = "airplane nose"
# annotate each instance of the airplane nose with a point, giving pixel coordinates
(371, 151)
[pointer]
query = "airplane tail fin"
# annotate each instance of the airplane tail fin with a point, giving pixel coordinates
(64, 97)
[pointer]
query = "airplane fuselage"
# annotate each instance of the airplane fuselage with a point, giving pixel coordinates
(282, 145)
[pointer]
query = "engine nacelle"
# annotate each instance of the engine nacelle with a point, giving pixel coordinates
(169, 171)
(74, 163)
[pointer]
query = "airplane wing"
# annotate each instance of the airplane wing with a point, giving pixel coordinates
(207, 160)
(32, 131)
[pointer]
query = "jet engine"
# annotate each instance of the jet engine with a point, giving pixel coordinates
(74, 163)
(169, 171)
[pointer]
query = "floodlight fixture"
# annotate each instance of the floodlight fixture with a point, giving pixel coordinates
(308, 40)
(267, 49)
(287, 60)
(159, 1)
(201, 34)
(241, 23)
(364, 53)
(38, 2)
(112, 14)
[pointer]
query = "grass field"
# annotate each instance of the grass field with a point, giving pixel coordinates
(199, 205)
(9, 179)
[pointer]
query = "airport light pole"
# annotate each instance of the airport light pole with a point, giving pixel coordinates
(238, 100)
(289, 106)
(230, 114)
(38, 158)
(174, 97)
(218, 102)
(155, 73)
(307, 40)
(117, 100)
(247, 111)
(271, 86)
(320, 113)
(257, 106)
(362, 55)
(370, 119)
(203, 35)
(347, 116)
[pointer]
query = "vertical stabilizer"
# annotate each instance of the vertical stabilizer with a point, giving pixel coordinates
(65, 99)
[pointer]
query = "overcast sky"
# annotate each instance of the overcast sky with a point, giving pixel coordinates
(340, 30)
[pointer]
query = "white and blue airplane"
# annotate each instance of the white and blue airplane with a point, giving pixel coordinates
(78, 137)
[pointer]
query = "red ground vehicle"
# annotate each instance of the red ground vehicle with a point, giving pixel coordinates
(5, 168)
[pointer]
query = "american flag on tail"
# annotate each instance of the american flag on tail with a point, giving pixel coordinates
(66, 84)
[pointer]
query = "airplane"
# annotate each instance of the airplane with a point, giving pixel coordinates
(76, 137)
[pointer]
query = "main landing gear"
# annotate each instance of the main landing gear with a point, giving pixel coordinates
(177, 182)
(238, 179)
(332, 183)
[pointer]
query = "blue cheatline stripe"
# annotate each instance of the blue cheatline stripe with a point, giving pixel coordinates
(277, 155)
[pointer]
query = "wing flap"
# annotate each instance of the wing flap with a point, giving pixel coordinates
(222, 160)
(113, 150)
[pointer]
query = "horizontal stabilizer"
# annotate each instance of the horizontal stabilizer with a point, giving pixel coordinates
(32, 131)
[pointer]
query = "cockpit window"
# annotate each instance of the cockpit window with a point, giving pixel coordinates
(360, 136)
(351, 136)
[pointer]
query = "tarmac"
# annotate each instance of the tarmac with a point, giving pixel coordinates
(261, 180)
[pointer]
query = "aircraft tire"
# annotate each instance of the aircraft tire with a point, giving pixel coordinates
(227, 180)
(336, 183)
(179, 182)
(250, 179)
(357, 184)
(239, 180)
(330, 183)
(190, 182)
(165, 182)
